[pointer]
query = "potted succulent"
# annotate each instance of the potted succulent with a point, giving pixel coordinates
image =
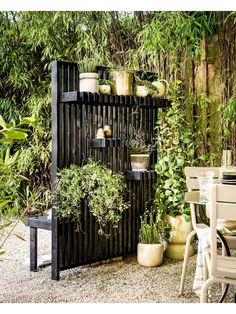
(105, 86)
(93, 183)
(88, 77)
(152, 235)
(139, 150)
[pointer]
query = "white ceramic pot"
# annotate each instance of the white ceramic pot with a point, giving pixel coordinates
(150, 255)
(89, 82)
(141, 91)
(105, 89)
(140, 162)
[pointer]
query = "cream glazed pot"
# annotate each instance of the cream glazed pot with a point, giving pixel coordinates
(150, 255)
(178, 236)
(89, 82)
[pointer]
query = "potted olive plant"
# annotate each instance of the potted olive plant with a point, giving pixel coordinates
(152, 235)
(139, 150)
(93, 183)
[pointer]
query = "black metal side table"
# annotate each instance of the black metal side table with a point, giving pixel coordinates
(35, 223)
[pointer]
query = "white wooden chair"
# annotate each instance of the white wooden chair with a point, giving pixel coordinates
(191, 174)
(221, 268)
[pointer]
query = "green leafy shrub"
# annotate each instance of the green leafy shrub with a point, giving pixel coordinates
(96, 185)
(175, 151)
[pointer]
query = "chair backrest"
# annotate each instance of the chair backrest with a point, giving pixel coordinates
(221, 205)
(192, 173)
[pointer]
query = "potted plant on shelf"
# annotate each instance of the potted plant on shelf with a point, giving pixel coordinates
(93, 183)
(122, 81)
(152, 235)
(105, 86)
(141, 88)
(88, 77)
(139, 150)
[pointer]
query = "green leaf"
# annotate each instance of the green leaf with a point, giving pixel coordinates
(16, 135)
(29, 120)
(203, 157)
(19, 236)
(2, 122)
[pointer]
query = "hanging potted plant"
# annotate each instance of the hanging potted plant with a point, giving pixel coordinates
(93, 183)
(152, 235)
(88, 77)
(139, 150)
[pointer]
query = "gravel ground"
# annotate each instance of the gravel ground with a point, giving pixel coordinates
(122, 281)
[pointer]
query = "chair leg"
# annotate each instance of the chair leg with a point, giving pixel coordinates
(185, 262)
(204, 290)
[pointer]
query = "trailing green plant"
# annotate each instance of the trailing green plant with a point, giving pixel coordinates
(101, 190)
(137, 144)
(176, 150)
(152, 229)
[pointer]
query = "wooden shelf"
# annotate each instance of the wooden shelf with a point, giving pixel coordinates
(104, 142)
(140, 175)
(119, 100)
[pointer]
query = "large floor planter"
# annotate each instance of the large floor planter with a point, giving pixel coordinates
(177, 241)
(150, 255)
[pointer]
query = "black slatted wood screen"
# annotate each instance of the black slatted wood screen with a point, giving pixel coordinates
(75, 119)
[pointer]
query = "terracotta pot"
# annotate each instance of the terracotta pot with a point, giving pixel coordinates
(150, 255)
(122, 82)
(89, 82)
(140, 162)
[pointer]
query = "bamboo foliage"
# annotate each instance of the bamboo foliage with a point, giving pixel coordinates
(168, 43)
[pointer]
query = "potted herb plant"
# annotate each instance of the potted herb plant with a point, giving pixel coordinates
(139, 150)
(105, 86)
(152, 235)
(88, 77)
(93, 183)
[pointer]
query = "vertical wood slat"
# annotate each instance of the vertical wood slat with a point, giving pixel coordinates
(79, 122)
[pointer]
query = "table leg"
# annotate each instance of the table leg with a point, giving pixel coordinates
(33, 249)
